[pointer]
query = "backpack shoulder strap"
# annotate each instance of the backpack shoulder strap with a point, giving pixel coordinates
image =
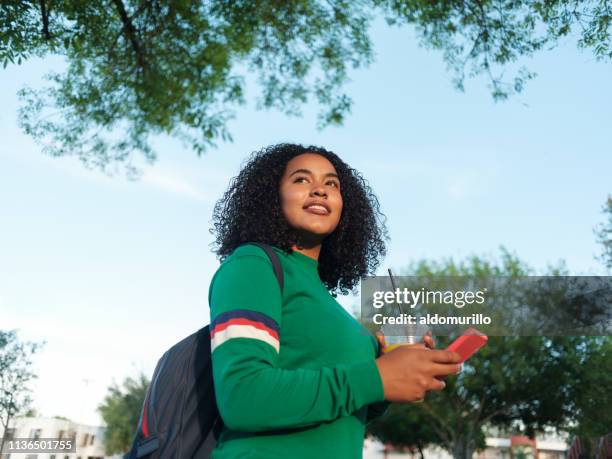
(276, 263)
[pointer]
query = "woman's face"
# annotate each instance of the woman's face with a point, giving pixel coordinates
(310, 196)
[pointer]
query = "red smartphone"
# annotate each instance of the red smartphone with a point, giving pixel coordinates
(468, 343)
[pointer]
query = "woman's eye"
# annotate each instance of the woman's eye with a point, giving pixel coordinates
(305, 180)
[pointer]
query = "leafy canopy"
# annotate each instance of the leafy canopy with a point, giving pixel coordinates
(140, 68)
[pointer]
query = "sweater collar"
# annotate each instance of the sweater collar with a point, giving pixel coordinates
(305, 260)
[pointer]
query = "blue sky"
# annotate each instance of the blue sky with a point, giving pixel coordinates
(110, 273)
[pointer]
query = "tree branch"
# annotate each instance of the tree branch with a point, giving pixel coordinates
(490, 415)
(443, 430)
(44, 12)
(130, 33)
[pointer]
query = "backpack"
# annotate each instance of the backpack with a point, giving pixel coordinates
(179, 417)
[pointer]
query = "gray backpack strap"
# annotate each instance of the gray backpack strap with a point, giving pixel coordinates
(276, 263)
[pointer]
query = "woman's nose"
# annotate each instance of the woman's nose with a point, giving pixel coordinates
(319, 191)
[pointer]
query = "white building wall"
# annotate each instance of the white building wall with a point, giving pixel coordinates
(88, 439)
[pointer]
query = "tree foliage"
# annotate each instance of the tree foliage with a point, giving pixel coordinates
(401, 426)
(518, 383)
(15, 375)
(487, 36)
(604, 235)
(592, 405)
(120, 411)
(138, 68)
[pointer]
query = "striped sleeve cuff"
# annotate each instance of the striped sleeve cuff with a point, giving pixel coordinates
(244, 323)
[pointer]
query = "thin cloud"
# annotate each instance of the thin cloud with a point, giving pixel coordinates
(175, 185)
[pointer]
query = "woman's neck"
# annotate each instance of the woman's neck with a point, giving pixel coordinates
(312, 252)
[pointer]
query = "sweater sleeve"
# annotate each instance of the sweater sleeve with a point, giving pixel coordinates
(376, 410)
(252, 392)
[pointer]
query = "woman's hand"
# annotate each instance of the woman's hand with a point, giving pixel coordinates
(428, 340)
(409, 371)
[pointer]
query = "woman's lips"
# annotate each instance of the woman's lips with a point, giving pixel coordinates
(317, 210)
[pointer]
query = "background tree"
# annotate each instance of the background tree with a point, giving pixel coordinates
(120, 411)
(138, 68)
(400, 427)
(604, 235)
(15, 375)
(519, 383)
(592, 413)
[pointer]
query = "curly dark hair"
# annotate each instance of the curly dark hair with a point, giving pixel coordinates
(250, 211)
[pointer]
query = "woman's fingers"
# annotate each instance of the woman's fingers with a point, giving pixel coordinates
(381, 339)
(436, 384)
(429, 341)
(409, 371)
(445, 369)
(442, 356)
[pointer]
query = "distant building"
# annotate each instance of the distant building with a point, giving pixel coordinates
(88, 439)
(543, 447)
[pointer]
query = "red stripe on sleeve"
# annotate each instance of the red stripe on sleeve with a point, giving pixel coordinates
(239, 321)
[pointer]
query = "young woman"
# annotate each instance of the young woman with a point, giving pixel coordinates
(295, 375)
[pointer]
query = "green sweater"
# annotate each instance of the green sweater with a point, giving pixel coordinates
(295, 376)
